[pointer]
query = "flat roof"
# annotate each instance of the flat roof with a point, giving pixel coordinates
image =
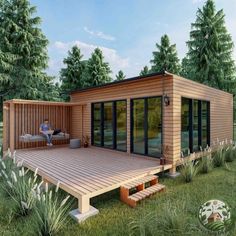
(42, 102)
(122, 81)
(136, 78)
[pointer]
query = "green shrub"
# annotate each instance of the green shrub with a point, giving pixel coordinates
(189, 170)
(229, 157)
(21, 189)
(206, 164)
(219, 157)
(141, 225)
(172, 221)
(229, 153)
(51, 212)
(7, 165)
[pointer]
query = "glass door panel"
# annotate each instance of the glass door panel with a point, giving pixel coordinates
(108, 124)
(138, 126)
(154, 117)
(195, 126)
(185, 126)
(97, 124)
(121, 126)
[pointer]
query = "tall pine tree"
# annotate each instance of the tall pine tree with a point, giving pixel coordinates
(144, 71)
(210, 49)
(165, 58)
(71, 76)
(23, 53)
(97, 71)
(120, 75)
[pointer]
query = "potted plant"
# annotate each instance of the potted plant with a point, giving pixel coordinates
(86, 141)
(165, 149)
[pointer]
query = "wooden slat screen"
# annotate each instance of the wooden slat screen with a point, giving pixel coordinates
(28, 118)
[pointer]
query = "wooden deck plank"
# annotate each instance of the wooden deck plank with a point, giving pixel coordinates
(93, 176)
(90, 171)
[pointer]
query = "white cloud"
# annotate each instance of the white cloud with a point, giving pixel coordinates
(59, 50)
(99, 34)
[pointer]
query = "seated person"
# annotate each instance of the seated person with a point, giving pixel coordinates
(46, 131)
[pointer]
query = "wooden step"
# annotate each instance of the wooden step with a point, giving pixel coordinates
(136, 197)
(140, 181)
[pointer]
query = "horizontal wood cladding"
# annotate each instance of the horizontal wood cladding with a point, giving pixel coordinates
(221, 107)
(150, 87)
(155, 86)
(221, 110)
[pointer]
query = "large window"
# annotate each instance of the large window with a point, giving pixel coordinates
(185, 125)
(97, 124)
(138, 126)
(109, 125)
(121, 125)
(195, 125)
(146, 124)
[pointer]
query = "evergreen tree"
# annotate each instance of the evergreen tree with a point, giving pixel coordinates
(23, 49)
(120, 75)
(210, 49)
(71, 76)
(144, 71)
(186, 70)
(97, 71)
(165, 58)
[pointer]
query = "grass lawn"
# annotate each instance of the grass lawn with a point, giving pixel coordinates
(172, 213)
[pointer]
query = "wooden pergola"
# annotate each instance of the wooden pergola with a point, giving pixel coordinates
(22, 117)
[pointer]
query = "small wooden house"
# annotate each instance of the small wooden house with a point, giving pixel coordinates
(214, 217)
(149, 114)
(153, 115)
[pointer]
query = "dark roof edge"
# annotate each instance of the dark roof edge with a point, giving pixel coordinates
(122, 81)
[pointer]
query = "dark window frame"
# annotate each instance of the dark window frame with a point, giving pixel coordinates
(145, 126)
(191, 101)
(114, 124)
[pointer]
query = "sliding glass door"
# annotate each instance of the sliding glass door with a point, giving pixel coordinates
(154, 117)
(195, 125)
(138, 126)
(146, 125)
(121, 125)
(109, 125)
(204, 124)
(185, 125)
(97, 124)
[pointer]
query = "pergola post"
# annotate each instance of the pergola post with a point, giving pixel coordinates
(12, 127)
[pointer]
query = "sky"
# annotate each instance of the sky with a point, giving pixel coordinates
(125, 30)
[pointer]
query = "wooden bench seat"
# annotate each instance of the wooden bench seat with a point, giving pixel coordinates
(40, 138)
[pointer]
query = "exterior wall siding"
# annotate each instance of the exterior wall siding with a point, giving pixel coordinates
(154, 86)
(221, 110)
(221, 107)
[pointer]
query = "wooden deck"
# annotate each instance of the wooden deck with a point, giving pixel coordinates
(88, 172)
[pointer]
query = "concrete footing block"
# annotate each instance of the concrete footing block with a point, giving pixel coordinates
(173, 175)
(80, 217)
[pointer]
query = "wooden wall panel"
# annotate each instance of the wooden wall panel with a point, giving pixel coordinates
(175, 87)
(76, 122)
(221, 110)
(154, 86)
(26, 119)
